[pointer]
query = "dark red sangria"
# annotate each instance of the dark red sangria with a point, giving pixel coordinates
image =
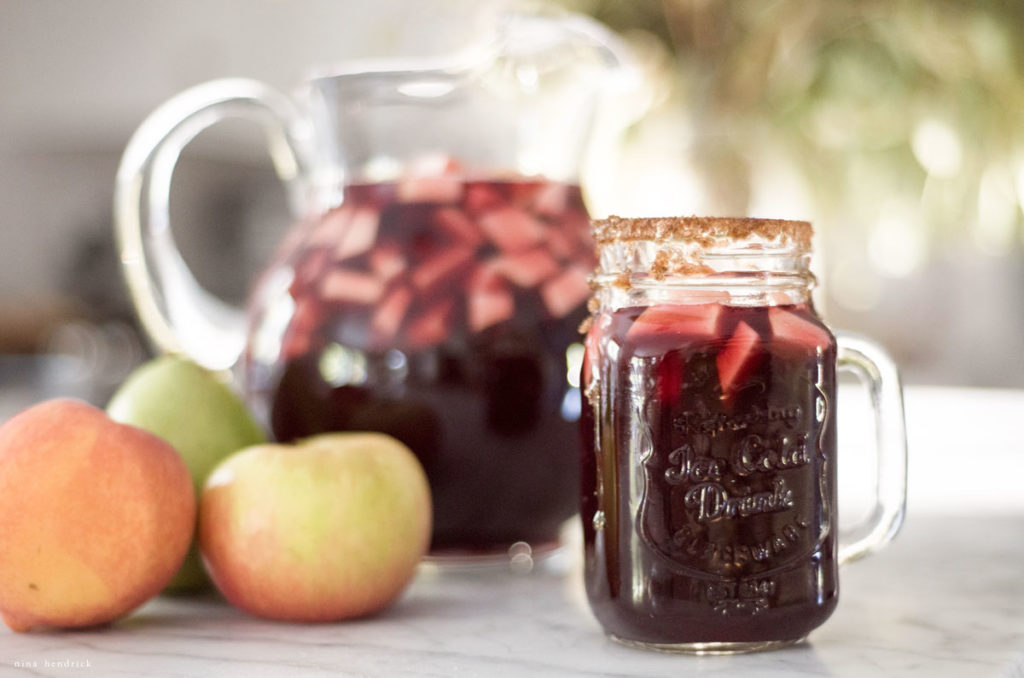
(439, 310)
(706, 516)
(708, 457)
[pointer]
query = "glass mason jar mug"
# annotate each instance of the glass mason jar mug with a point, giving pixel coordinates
(709, 426)
(435, 275)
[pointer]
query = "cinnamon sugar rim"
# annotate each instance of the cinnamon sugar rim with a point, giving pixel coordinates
(701, 230)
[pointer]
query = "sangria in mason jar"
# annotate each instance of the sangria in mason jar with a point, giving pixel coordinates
(709, 502)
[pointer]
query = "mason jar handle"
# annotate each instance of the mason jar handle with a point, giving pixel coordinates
(175, 311)
(878, 372)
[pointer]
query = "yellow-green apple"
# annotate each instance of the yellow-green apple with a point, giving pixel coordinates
(95, 516)
(199, 415)
(328, 529)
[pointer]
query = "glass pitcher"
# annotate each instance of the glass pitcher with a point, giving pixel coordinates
(432, 285)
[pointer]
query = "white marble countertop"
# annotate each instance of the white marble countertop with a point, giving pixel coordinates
(945, 599)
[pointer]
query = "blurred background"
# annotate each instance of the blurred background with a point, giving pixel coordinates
(897, 128)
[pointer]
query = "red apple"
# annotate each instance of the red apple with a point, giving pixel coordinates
(95, 516)
(328, 529)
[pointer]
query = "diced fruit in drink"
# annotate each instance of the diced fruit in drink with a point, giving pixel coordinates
(528, 269)
(481, 294)
(297, 338)
(735, 358)
(551, 199)
(441, 266)
(561, 243)
(341, 285)
(431, 326)
(455, 223)
(308, 272)
(481, 197)
(433, 189)
(511, 229)
(358, 235)
(566, 291)
(387, 261)
(434, 164)
(387, 317)
(489, 299)
(329, 230)
(789, 327)
(667, 326)
(431, 178)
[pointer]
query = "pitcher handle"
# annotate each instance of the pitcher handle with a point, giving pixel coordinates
(872, 364)
(175, 311)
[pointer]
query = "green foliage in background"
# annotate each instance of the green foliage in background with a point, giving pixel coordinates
(850, 90)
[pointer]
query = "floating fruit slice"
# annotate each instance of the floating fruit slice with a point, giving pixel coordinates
(433, 178)
(566, 291)
(788, 326)
(482, 197)
(387, 261)
(342, 285)
(431, 326)
(551, 199)
(665, 327)
(440, 267)
(358, 235)
(489, 300)
(460, 227)
(511, 229)
(308, 271)
(329, 230)
(387, 317)
(528, 269)
(736, 357)
(297, 339)
(430, 189)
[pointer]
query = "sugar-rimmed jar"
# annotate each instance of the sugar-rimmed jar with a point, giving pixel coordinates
(709, 460)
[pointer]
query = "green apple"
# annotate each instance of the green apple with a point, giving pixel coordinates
(328, 529)
(199, 415)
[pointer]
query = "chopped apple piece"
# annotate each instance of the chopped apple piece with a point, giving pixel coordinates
(387, 261)
(551, 199)
(341, 285)
(329, 230)
(561, 243)
(734, 359)
(482, 198)
(431, 326)
(527, 269)
(674, 322)
(387, 317)
(358, 235)
(455, 223)
(565, 291)
(297, 338)
(511, 229)
(441, 266)
(787, 326)
(489, 300)
(430, 189)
